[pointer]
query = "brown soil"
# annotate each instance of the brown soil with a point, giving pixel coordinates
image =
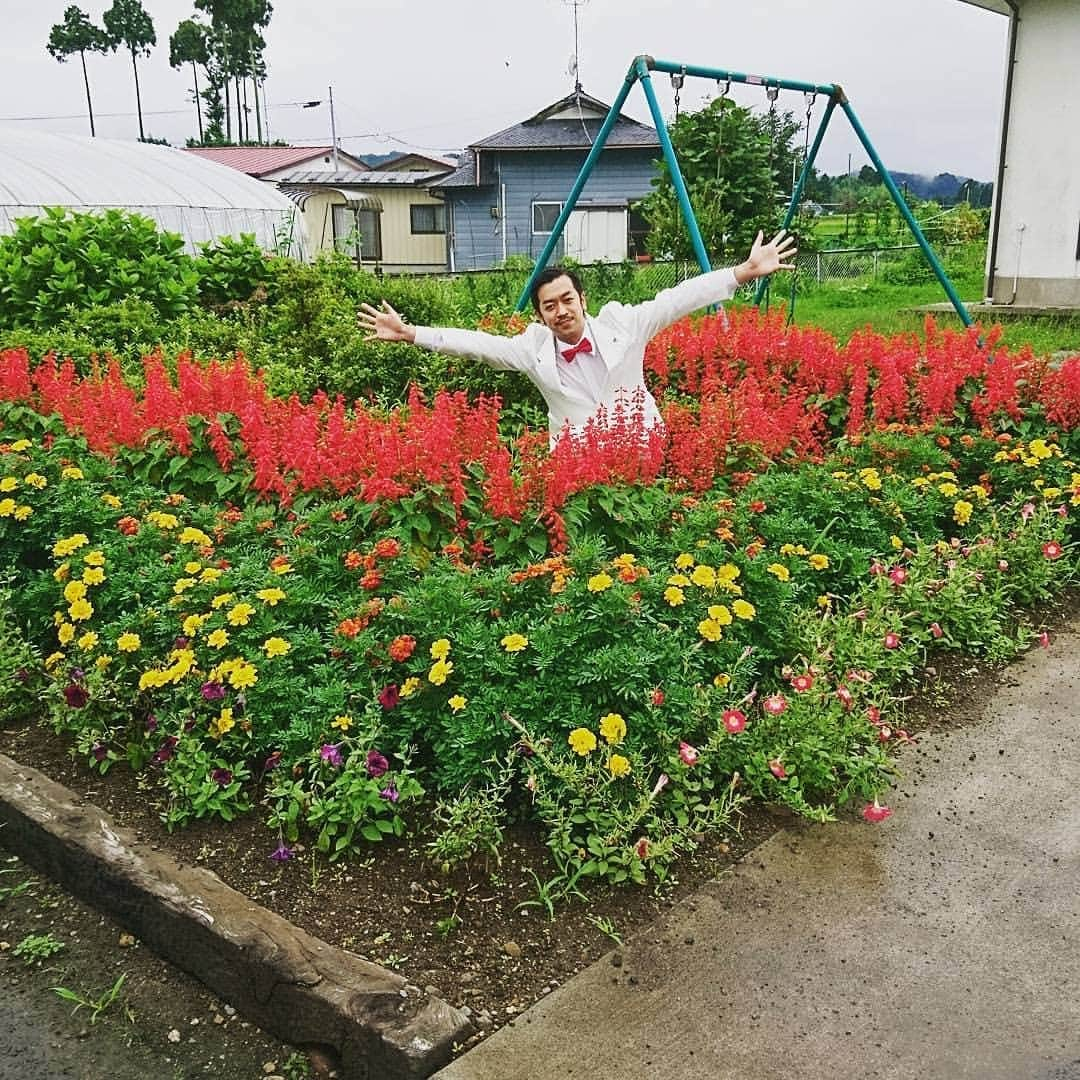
(463, 935)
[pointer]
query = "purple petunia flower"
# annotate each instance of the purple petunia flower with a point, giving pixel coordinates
(189, 724)
(273, 761)
(151, 724)
(376, 763)
(100, 751)
(222, 777)
(78, 674)
(23, 675)
(212, 691)
(390, 792)
(75, 695)
(282, 853)
(389, 696)
(165, 751)
(331, 752)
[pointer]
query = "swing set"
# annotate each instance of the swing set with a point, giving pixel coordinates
(639, 72)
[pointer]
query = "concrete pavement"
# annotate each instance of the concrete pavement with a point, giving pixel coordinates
(941, 943)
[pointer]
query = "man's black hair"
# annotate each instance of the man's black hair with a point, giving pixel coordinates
(546, 277)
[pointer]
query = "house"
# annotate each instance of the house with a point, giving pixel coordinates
(413, 162)
(506, 195)
(1034, 254)
(383, 218)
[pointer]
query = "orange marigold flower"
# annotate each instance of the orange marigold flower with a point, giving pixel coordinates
(129, 526)
(349, 627)
(371, 580)
(338, 515)
(353, 560)
(628, 575)
(401, 648)
(388, 548)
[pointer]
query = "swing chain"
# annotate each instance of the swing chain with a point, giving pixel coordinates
(677, 80)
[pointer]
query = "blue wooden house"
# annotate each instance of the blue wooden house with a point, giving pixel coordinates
(505, 196)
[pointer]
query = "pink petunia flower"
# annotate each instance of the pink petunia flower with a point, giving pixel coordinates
(898, 575)
(734, 720)
(875, 812)
(776, 767)
(892, 641)
(774, 704)
(847, 699)
(1044, 640)
(1052, 549)
(688, 754)
(935, 630)
(801, 683)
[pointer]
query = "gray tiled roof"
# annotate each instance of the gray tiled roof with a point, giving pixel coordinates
(373, 178)
(464, 176)
(569, 135)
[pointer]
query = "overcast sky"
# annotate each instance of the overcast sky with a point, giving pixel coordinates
(926, 77)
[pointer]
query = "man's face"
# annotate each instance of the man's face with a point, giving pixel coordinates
(562, 309)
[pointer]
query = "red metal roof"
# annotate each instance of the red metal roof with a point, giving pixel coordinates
(259, 160)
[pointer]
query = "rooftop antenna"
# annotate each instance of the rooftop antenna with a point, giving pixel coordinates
(575, 66)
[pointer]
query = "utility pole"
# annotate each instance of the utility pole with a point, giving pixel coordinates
(333, 129)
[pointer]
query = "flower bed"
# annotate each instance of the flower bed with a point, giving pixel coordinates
(367, 619)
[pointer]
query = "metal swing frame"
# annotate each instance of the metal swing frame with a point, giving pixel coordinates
(639, 72)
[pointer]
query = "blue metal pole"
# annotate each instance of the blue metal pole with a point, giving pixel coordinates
(579, 183)
(796, 195)
(736, 76)
(676, 174)
(905, 211)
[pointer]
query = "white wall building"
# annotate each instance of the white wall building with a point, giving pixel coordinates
(1034, 253)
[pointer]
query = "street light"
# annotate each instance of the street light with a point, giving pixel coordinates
(333, 124)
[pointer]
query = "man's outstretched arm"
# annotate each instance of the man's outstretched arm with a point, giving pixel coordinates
(502, 352)
(676, 303)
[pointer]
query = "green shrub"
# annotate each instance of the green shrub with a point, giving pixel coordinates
(68, 260)
(231, 270)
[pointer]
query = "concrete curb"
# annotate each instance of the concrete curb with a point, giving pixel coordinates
(293, 985)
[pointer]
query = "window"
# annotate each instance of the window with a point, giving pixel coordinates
(427, 217)
(637, 229)
(357, 232)
(544, 216)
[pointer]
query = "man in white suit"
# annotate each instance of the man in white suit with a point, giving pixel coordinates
(589, 370)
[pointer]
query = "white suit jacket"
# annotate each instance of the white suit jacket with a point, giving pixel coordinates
(619, 333)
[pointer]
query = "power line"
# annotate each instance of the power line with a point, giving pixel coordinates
(145, 112)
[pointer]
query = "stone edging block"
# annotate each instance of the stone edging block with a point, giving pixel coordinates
(298, 988)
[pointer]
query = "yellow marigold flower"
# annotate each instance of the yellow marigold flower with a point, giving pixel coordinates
(613, 728)
(599, 582)
(674, 595)
(440, 649)
(74, 590)
(270, 596)
(240, 615)
(743, 610)
(71, 472)
(920, 482)
(191, 535)
(192, 567)
(704, 576)
(618, 765)
(210, 573)
(81, 610)
(58, 618)
(582, 741)
(727, 573)
(151, 680)
(710, 630)
(823, 601)
(193, 623)
(680, 581)
(439, 672)
(818, 562)
(94, 558)
(8, 483)
(720, 614)
(162, 520)
(19, 445)
(87, 641)
(7, 507)
(342, 723)
(275, 646)
(870, 479)
(222, 599)
(684, 561)
(779, 571)
(243, 676)
(457, 702)
(102, 662)
(62, 572)
(962, 512)
(1038, 448)
(623, 560)
(22, 512)
(722, 680)
(111, 501)
(948, 489)
(978, 492)
(222, 724)
(53, 659)
(218, 639)
(1048, 493)
(63, 548)
(65, 633)
(409, 687)
(93, 575)
(183, 584)
(282, 568)
(514, 642)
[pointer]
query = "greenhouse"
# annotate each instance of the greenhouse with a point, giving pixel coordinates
(185, 194)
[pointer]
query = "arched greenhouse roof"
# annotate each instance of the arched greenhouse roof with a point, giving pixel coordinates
(183, 193)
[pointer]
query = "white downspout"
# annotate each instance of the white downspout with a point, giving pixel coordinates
(1019, 247)
(502, 219)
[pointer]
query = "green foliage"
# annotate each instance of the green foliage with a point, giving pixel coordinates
(35, 948)
(231, 270)
(470, 822)
(66, 260)
(21, 678)
(86, 1000)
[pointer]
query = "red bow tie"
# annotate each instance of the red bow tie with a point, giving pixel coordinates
(583, 346)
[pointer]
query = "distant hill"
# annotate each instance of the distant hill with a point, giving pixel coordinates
(374, 160)
(943, 188)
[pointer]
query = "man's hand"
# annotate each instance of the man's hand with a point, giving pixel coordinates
(385, 325)
(765, 259)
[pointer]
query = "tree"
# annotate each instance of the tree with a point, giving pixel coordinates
(736, 164)
(188, 45)
(127, 23)
(77, 34)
